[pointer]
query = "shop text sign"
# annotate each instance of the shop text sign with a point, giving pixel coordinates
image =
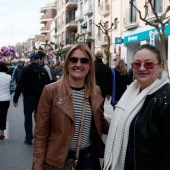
(144, 35)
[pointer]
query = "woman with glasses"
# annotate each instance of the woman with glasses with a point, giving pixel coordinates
(139, 134)
(57, 143)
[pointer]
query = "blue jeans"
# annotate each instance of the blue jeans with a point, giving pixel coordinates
(30, 104)
(85, 162)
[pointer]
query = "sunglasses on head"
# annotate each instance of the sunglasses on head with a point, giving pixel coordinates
(148, 65)
(82, 60)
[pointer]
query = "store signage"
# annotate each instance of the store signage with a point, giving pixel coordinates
(144, 35)
(152, 38)
(118, 40)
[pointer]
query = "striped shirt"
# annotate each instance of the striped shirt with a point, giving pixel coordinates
(78, 101)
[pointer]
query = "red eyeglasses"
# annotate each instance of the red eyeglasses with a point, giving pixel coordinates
(82, 60)
(148, 65)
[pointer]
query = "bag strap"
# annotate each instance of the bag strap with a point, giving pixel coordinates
(81, 130)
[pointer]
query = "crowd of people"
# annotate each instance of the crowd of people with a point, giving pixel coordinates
(67, 100)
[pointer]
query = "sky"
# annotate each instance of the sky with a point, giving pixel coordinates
(20, 20)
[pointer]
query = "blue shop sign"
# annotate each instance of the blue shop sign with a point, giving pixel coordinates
(143, 35)
(118, 40)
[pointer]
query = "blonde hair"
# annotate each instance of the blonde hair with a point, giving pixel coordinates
(90, 80)
(120, 66)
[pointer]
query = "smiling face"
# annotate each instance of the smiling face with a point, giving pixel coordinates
(78, 70)
(146, 76)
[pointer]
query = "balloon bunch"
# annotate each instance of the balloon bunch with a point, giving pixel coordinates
(5, 51)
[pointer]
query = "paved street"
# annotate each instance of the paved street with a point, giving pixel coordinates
(15, 154)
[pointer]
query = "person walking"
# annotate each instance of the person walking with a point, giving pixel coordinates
(70, 119)
(17, 72)
(58, 70)
(4, 96)
(43, 57)
(139, 134)
(31, 83)
(120, 81)
(103, 75)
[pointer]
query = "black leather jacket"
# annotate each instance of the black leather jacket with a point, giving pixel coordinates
(152, 132)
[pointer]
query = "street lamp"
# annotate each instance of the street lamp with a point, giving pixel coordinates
(84, 31)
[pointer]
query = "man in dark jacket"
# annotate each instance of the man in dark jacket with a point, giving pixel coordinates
(32, 87)
(103, 75)
(17, 72)
(43, 57)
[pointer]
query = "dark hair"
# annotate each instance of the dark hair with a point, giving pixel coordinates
(3, 67)
(151, 48)
(41, 54)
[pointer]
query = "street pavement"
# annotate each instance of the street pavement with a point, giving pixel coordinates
(14, 153)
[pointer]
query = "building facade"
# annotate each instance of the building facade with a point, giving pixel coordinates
(69, 21)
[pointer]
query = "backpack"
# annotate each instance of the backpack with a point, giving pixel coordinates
(39, 79)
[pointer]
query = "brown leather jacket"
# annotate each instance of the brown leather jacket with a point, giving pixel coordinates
(55, 127)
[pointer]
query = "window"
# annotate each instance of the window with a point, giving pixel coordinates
(62, 37)
(81, 8)
(106, 25)
(58, 40)
(132, 13)
(158, 5)
(115, 23)
(90, 25)
(63, 18)
(54, 12)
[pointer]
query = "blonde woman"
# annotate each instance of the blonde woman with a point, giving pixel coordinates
(119, 80)
(59, 115)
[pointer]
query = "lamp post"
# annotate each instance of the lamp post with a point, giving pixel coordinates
(84, 27)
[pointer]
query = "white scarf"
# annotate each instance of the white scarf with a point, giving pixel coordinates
(126, 109)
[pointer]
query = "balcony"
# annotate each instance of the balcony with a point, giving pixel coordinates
(45, 29)
(88, 8)
(43, 10)
(130, 19)
(104, 9)
(152, 18)
(79, 15)
(43, 19)
(158, 7)
(71, 4)
(70, 24)
(102, 39)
